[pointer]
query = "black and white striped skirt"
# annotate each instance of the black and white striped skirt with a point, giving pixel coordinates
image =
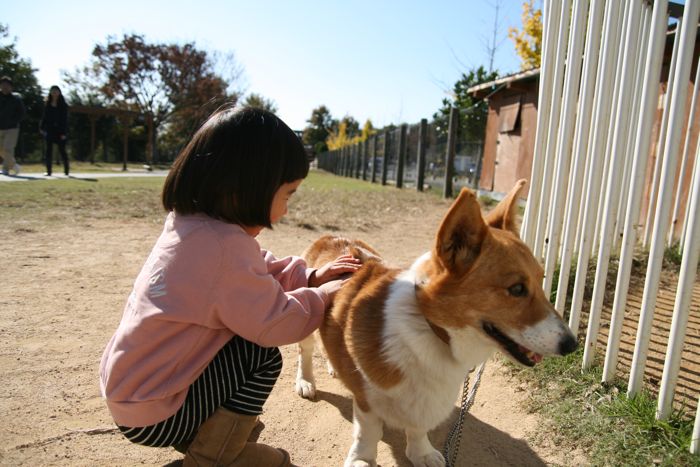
(239, 378)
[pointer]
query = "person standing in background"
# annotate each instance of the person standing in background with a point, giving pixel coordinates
(11, 113)
(54, 128)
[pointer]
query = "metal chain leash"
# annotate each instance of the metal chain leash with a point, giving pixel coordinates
(454, 437)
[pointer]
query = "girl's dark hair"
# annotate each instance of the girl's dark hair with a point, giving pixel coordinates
(233, 165)
(61, 101)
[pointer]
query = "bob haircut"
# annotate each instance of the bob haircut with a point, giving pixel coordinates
(233, 166)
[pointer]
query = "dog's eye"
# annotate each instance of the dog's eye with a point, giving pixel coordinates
(518, 290)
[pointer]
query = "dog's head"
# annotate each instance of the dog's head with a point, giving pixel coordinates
(481, 276)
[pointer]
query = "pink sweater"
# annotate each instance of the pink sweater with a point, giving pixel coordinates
(204, 282)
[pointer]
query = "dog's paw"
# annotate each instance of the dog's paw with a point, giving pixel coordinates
(306, 389)
(433, 459)
(331, 370)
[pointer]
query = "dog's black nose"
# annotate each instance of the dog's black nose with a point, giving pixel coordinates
(568, 344)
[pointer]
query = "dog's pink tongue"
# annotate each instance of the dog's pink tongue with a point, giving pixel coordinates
(535, 357)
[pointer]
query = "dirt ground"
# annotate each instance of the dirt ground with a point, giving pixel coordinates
(63, 294)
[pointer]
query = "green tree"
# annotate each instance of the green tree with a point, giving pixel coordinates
(352, 126)
(528, 40)
(179, 85)
(25, 83)
(320, 125)
(260, 102)
(473, 112)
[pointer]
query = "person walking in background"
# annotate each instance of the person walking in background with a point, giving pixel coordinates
(11, 113)
(54, 128)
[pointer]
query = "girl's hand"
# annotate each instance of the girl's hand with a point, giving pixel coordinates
(346, 264)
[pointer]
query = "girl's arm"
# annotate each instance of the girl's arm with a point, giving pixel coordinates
(265, 300)
(259, 310)
(288, 271)
(291, 272)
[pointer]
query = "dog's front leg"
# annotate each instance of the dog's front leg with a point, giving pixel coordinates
(306, 385)
(367, 431)
(419, 450)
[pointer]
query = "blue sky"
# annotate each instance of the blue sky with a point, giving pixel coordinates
(387, 61)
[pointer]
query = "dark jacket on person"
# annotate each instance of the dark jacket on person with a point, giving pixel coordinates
(11, 110)
(54, 122)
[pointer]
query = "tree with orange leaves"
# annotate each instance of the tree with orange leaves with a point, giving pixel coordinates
(528, 40)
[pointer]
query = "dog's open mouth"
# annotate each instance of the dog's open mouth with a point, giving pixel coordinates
(522, 354)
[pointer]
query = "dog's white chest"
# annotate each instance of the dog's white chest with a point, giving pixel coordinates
(432, 376)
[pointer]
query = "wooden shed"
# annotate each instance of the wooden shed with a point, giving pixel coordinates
(510, 129)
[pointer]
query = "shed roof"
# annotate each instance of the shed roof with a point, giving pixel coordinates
(486, 89)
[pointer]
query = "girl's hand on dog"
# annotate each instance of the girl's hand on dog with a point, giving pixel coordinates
(346, 264)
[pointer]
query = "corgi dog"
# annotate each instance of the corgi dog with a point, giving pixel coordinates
(402, 341)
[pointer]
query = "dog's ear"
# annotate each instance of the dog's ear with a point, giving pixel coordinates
(461, 233)
(503, 216)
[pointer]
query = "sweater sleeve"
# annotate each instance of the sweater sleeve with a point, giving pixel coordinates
(291, 272)
(265, 300)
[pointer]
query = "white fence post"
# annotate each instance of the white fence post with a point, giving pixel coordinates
(552, 128)
(661, 144)
(681, 308)
(687, 204)
(605, 84)
(566, 127)
(684, 162)
(651, 286)
(610, 142)
(613, 189)
(544, 104)
(583, 128)
(695, 439)
(650, 94)
(632, 132)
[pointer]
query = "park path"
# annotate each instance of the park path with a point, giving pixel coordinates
(35, 176)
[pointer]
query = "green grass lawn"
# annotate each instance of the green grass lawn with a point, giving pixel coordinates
(323, 201)
(67, 200)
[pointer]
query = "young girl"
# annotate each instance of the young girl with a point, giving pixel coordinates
(54, 128)
(195, 355)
